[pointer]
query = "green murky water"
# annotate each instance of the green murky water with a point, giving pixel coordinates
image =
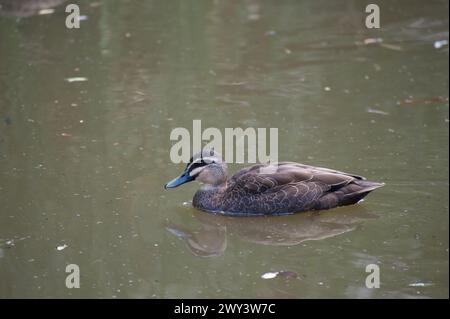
(83, 163)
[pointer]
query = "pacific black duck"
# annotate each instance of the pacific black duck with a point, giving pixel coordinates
(270, 189)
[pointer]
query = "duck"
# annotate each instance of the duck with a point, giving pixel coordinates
(281, 188)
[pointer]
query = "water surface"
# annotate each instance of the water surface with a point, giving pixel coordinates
(83, 163)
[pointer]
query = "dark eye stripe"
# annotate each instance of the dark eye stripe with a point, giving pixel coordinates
(196, 165)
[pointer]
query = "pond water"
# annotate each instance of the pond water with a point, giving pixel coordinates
(85, 121)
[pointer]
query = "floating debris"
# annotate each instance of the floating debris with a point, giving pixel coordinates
(432, 100)
(381, 43)
(66, 134)
(46, 11)
(253, 16)
(391, 46)
(439, 44)
(375, 111)
(9, 243)
(61, 247)
(327, 88)
(372, 41)
(269, 275)
(76, 79)
(420, 284)
(282, 273)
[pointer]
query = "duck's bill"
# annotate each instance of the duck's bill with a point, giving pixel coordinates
(182, 179)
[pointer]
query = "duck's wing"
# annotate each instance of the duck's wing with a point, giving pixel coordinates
(291, 187)
(266, 178)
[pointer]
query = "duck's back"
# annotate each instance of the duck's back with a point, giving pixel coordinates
(287, 188)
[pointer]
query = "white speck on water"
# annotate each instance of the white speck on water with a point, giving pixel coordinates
(76, 79)
(372, 41)
(270, 33)
(327, 88)
(440, 44)
(420, 284)
(375, 111)
(46, 11)
(269, 275)
(253, 16)
(61, 247)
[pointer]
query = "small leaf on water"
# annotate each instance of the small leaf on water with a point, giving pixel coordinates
(76, 79)
(46, 11)
(372, 41)
(269, 275)
(61, 247)
(420, 284)
(439, 44)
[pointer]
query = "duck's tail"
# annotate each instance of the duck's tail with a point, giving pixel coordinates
(354, 192)
(348, 194)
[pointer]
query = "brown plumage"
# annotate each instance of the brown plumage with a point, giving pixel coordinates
(276, 189)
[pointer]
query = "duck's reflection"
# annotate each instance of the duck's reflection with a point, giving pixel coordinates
(27, 8)
(209, 237)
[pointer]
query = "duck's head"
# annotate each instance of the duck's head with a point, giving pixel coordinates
(206, 167)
